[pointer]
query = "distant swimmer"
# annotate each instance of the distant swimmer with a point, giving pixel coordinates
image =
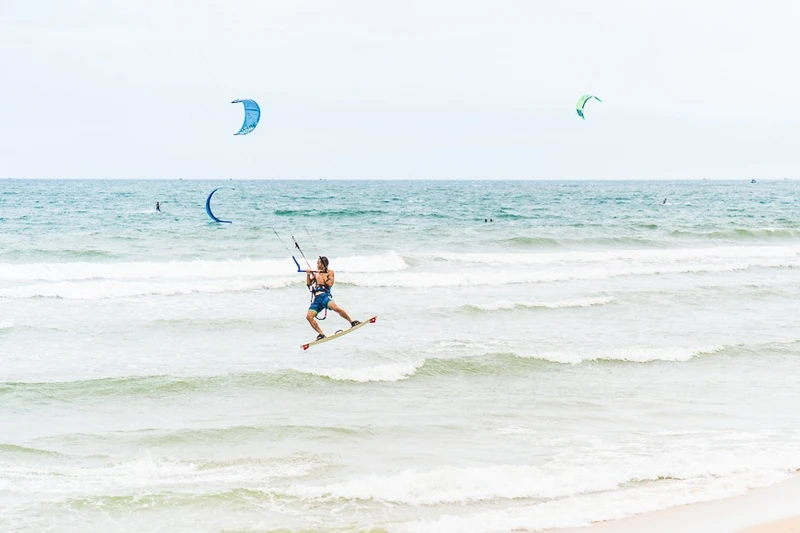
(158, 206)
(320, 283)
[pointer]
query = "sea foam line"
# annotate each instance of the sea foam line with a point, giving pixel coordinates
(582, 510)
(638, 255)
(632, 354)
(388, 372)
(574, 472)
(558, 304)
(148, 472)
(431, 367)
(104, 289)
(187, 270)
(499, 277)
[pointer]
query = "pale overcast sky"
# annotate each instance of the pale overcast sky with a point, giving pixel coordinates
(402, 89)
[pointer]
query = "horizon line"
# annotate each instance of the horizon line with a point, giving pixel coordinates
(398, 179)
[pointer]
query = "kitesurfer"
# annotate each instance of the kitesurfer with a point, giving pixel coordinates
(158, 206)
(319, 283)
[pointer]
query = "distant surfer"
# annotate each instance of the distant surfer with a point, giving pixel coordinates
(665, 201)
(158, 206)
(319, 283)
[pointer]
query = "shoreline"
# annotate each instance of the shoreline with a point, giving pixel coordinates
(773, 509)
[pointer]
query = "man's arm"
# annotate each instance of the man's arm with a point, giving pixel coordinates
(331, 278)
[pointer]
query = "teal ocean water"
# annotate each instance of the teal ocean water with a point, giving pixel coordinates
(547, 354)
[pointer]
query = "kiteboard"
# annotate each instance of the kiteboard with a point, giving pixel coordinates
(340, 333)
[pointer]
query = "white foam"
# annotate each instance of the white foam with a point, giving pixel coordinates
(463, 485)
(667, 255)
(775, 230)
(93, 281)
(145, 472)
(558, 304)
(6, 325)
(185, 270)
(583, 510)
(181, 277)
(633, 354)
(583, 479)
(390, 372)
(571, 272)
(102, 289)
(387, 262)
(517, 430)
(579, 468)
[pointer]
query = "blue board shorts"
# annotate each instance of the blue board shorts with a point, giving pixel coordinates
(320, 302)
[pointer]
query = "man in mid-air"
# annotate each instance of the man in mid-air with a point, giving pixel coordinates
(319, 283)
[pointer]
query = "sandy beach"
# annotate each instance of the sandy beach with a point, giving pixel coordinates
(768, 510)
(786, 525)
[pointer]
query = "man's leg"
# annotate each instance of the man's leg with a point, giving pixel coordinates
(342, 313)
(311, 317)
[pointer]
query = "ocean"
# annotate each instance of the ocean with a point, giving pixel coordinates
(546, 354)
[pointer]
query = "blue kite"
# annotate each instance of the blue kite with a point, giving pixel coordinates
(208, 206)
(252, 114)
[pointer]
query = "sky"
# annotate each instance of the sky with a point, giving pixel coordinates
(418, 89)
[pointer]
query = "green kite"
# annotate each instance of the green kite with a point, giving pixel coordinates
(582, 102)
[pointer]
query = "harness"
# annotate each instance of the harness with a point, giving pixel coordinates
(316, 291)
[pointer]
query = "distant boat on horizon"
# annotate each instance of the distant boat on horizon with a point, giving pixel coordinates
(753, 180)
